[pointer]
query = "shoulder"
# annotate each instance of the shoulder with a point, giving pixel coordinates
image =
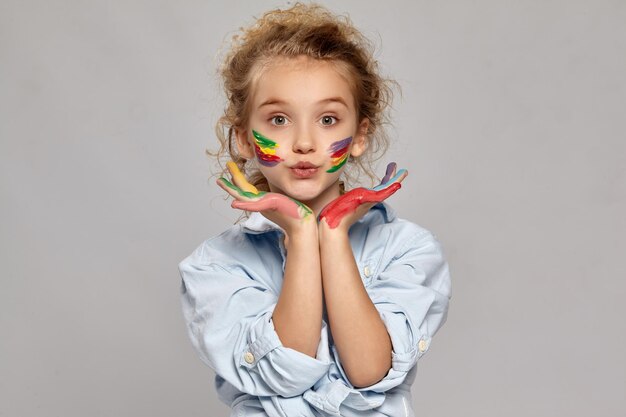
(398, 249)
(229, 248)
(382, 224)
(381, 239)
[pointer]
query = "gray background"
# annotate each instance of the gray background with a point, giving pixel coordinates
(511, 125)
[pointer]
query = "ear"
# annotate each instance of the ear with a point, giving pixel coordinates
(359, 142)
(244, 146)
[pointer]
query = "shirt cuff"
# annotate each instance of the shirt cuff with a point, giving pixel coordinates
(285, 370)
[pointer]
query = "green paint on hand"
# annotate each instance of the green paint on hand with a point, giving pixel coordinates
(240, 191)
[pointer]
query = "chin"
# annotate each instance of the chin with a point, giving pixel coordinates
(303, 195)
(304, 190)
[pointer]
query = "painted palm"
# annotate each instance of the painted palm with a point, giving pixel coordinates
(248, 197)
(350, 201)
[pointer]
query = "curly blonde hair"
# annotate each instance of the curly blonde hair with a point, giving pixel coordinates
(313, 31)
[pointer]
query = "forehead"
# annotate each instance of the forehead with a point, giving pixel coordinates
(301, 81)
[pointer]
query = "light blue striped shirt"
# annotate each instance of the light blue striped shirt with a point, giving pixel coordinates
(231, 284)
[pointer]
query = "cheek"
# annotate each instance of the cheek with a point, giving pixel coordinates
(265, 150)
(338, 152)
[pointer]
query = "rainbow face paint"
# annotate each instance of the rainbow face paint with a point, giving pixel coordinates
(339, 153)
(265, 149)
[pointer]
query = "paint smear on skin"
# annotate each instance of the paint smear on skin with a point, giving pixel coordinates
(391, 168)
(350, 201)
(303, 208)
(339, 153)
(265, 149)
(241, 192)
(239, 179)
(261, 199)
(400, 174)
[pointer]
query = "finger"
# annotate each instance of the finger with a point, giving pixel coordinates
(349, 202)
(303, 210)
(400, 175)
(235, 191)
(259, 205)
(277, 202)
(239, 179)
(342, 206)
(391, 170)
(383, 194)
(397, 178)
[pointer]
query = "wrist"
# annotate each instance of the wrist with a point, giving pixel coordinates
(328, 234)
(305, 233)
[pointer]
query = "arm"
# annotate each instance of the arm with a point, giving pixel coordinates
(238, 326)
(409, 285)
(411, 294)
(360, 335)
(229, 321)
(298, 314)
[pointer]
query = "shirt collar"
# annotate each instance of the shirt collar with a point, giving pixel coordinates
(257, 223)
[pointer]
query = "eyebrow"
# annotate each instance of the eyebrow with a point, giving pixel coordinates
(272, 101)
(334, 100)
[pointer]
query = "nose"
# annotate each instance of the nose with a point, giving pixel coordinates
(304, 142)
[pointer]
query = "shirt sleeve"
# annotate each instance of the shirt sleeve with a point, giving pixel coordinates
(229, 321)
(411, 294)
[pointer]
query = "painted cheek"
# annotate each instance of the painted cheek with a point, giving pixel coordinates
(339, 153)
(265, 150)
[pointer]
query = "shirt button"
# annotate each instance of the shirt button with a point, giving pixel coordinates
(248, 357)
(367, 272)
(422, 345)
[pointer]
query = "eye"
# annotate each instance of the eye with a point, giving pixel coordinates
(328, 120)
(279, 120)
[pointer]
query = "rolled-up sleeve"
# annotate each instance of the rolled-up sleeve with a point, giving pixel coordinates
(229, 321)
(411, 294)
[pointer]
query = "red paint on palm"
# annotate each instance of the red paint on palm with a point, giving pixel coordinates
(350, 201)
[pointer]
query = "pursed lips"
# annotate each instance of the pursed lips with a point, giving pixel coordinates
(304, 169)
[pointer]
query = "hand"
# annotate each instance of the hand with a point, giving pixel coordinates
(346, 209)
(282, 210)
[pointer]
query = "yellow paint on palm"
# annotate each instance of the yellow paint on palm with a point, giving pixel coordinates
(239, 179)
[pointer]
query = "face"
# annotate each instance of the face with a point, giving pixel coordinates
(302, 128)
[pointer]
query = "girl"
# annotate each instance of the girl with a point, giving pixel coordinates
(321, 302)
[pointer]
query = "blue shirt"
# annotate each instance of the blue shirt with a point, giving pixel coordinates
(231, 284)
